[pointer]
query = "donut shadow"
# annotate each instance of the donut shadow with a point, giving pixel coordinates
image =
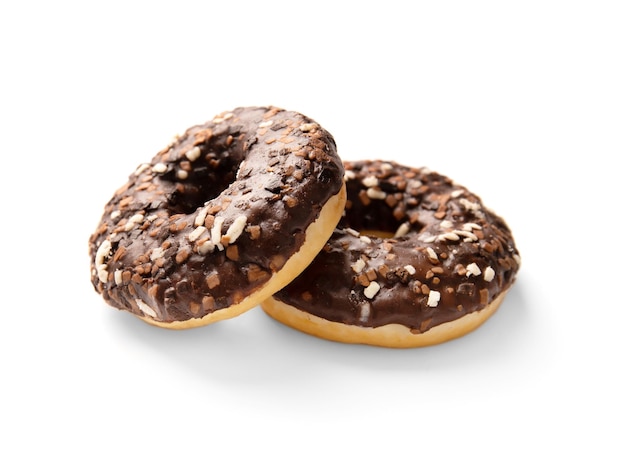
(253, 350)
(501, 339)
(234, 351)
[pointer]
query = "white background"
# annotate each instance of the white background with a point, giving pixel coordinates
(522, 102)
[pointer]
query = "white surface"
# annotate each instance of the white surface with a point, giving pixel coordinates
(522, 102)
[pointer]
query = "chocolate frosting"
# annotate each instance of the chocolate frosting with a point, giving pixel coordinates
(445, 256)
(214, 214)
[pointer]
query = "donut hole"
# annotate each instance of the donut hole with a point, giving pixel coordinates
(204, 182)
(370, 217)
(374, 233)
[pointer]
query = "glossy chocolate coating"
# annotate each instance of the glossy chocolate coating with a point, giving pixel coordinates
(448, 255)
(214, 214)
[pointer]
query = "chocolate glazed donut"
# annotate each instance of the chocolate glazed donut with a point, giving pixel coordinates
(416, 260)
(220, 219)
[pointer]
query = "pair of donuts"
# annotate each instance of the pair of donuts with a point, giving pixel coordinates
(255, 207)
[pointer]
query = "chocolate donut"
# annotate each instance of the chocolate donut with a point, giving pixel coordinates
(221, 218)
(415, 260)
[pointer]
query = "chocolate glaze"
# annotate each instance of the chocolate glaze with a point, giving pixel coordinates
(263, 172)
(451, 255)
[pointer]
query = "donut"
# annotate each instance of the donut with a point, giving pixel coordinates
(224, 216)
(416, 260)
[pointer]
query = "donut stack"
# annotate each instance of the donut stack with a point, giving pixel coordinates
(255, 207)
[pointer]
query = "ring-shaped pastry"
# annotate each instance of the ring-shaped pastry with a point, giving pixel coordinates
(226, 215)
(416, 260)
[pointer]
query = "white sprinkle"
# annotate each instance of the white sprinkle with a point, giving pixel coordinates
(133, 222)
(469, 226)
(236, 228)
(365, 239)
(469, 236)
(197, 232)
(206, 247)
(451, 236)
(376, 194)
(402, 230)
(473, 269)
(157, 253)
(431, 253)
(365, 312)
(216, 232)
(445, 224)
(199, 220)
(102, 254)
(371, 290)
(489, 274)
(144, 307)
(470, 205)
(370, 181)
(410, 269)
(433, 298)
(129, 226)
(517, 259)
(353, 232)
(457, 193)
(182, 174)
(266, 124)
(414, 183)
(116, 214)
(193, 154)
(358, 266)
(348, 175)
(426, 238)
(306, 127)
(141, 168)
(386, 167)
(159, 168)
(117, 275)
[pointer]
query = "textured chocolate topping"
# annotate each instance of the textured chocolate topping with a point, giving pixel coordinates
(446, 256)
(214, 215)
